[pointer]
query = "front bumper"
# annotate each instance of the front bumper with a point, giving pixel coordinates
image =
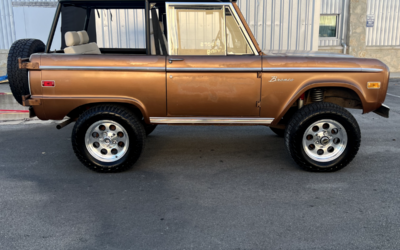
(383, 111)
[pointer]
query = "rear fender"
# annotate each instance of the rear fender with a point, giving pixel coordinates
(56, 108)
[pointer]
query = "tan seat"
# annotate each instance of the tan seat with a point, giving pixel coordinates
(78, 43)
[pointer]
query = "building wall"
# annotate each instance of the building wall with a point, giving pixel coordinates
(120, 28)
(386, 30)
(28, 25)
(357, 33)
(7, 30)
(283, 24)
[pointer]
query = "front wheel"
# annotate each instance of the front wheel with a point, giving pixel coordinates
(108, 138)
(323, 137)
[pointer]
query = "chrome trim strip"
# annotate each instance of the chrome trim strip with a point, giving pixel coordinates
(209, 120)
(158, 69)
(309, 69)
(214, 69)
(29, 82)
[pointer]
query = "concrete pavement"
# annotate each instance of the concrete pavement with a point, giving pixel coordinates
(200, 188)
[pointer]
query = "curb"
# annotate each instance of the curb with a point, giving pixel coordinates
(28, 121)
(7, 111)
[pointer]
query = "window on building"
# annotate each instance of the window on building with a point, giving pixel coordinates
(328, 26)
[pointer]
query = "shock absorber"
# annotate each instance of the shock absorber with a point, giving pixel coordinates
(317, 95)
(300, 102)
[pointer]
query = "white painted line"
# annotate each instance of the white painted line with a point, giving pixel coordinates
(393, 95)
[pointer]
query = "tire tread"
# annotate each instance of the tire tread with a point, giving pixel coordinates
(304, 114)
(122, 113)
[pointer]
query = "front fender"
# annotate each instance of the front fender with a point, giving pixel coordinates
(280, 96)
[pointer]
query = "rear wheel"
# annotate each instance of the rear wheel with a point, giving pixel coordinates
(108, 138)
(323, 137)
(18, 78)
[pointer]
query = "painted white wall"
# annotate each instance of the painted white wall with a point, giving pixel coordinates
(35, 22)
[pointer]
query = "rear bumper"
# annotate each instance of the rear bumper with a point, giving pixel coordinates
(383, 111)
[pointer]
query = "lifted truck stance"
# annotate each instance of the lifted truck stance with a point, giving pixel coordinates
(201, 65)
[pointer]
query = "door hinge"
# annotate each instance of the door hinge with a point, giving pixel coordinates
(258, 104)
(25, 64)
(259, 74)
(28, 101)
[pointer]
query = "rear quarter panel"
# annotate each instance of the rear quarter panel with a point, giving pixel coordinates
(146, 89)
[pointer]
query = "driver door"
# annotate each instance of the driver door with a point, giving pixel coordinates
(211, 70)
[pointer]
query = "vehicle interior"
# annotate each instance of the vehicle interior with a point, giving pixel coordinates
(193, 28)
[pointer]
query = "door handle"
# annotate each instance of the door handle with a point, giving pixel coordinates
(174, 59)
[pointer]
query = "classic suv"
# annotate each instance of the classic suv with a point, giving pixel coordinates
(201, 65)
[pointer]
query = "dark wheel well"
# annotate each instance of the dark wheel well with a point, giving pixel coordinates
(343, 97)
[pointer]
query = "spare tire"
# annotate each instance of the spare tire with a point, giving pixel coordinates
(18, 78)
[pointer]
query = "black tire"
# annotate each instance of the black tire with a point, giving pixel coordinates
(278, 132)
(313, 113)
(18, 78)
(149, 128)
(122, 116)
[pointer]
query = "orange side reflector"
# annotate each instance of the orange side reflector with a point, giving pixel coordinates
(48, 84)
(374, 85)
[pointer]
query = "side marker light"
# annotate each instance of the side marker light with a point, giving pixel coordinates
(374, 85)
(48, 84)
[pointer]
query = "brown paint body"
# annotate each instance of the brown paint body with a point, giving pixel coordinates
(161, 89)
(198, 86)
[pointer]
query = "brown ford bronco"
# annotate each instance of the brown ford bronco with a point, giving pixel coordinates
(201, 65)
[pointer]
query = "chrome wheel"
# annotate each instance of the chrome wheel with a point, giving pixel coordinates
(325, 140)
(107, 141)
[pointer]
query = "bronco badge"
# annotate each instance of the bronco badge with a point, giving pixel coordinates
(276, 79)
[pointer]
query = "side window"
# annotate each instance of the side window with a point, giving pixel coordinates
(196, 31)
(236, 42)
(120, 28)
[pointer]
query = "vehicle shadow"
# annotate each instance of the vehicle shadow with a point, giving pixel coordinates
(215, 146)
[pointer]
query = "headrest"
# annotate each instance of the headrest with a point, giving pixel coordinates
(83, 35)
(72, 38)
